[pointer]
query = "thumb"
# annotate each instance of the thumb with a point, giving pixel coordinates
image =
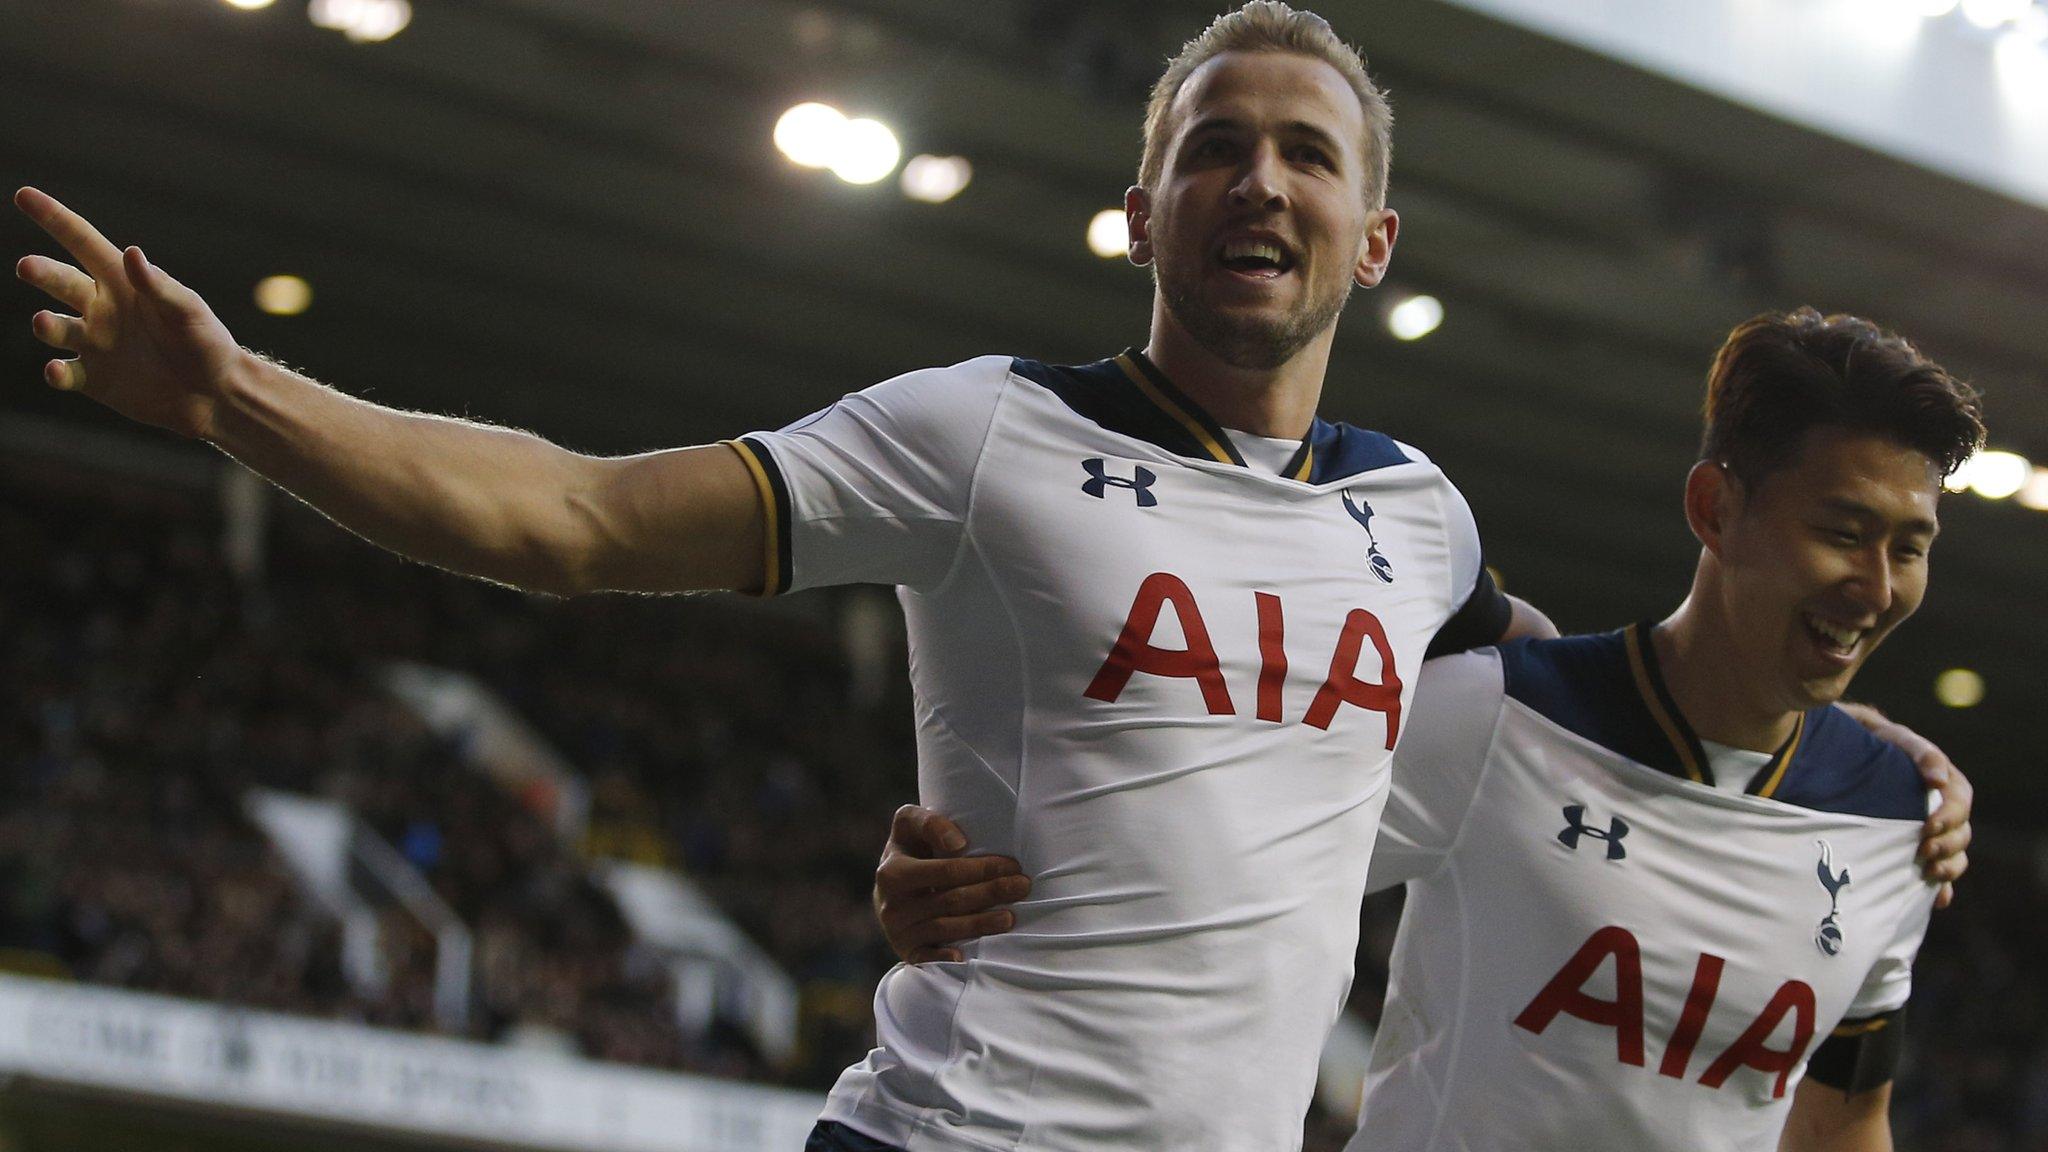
(153, 283)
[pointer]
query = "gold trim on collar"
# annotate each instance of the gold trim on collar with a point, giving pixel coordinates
(1180, 415)
(1694, 770)
(1308, 464)
(1785, 755)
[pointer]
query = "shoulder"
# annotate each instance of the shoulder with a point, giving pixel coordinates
(1343, 451)
(1567, 675)
(956, 400)
(1461, 675)
(1589, 686)
(982, 375)
(1840, 767)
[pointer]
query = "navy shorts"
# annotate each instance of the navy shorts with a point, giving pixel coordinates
(832, 1136)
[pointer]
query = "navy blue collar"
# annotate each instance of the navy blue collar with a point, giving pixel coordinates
(1128, 394)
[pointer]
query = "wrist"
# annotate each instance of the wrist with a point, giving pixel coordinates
(235, 394)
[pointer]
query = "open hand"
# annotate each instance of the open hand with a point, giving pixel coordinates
(928, 895)
(145, 345)
(1946, 834)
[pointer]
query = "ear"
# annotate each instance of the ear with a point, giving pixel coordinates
(1377, 250)
(1138, 217)
(1712, 497)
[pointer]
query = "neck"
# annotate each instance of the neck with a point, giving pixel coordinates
(1279, 402)
(1711, 683)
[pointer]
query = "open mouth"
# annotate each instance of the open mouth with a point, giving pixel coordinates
(1838, 640)
(1258, 259)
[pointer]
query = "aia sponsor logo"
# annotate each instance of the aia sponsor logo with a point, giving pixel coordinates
(1565, 994)
(1133, 653)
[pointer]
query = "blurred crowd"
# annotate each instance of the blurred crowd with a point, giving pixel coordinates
(145, 687)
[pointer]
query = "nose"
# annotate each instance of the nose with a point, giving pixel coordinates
(1872, 585)
(1259, 184)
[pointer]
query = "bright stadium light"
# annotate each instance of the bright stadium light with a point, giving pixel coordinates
(2034, 493)
(1108, 235)
(936, 179)
(2021, 64)
(248, 5)
(1931, 9)
(1996, 475)
(363, 21)
(283, 295)
(1988, 14)
(1415, 317)
(2032, 26)
(809, 134)
(1959, 688)
(868, 151)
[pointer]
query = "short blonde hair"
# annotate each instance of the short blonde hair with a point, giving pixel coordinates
(1272, 26)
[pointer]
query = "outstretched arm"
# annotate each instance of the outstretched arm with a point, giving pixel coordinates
(492, 502)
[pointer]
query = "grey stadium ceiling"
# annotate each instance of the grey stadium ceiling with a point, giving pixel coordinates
(565, 214)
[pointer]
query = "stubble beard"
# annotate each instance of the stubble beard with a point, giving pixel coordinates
(1248, 341)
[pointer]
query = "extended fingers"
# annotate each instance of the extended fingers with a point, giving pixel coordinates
(924, 833)
(74, 232)
(59, 331)
(64, 375)
(932, 934)
(905, 876)
(67, 285)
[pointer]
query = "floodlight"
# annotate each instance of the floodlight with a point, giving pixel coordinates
(936, 179)
(283, 295)
(867, 152)
(1108, 235)
(809, 134)
(1415, 317)
(1959, 688)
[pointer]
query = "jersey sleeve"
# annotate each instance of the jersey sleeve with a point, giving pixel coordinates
(1483, 612)
(1438, 765)
(1863, 1051)
(874, 489)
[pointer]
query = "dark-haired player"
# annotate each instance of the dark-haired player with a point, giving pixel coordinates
(1662, 892)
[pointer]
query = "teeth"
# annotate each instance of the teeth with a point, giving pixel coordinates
(1842, 637)
(1252, 250)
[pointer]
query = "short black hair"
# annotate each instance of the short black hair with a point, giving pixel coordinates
(1781, 375)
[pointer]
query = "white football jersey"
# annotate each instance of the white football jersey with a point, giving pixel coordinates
(1600, 950)
(1168, 684)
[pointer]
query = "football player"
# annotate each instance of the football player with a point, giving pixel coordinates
(1662, 890)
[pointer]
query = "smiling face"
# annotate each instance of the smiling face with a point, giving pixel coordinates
(1258, 225)
(1821, 559)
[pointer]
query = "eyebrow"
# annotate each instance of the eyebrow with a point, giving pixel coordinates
(1294, 127)
(1918, 524)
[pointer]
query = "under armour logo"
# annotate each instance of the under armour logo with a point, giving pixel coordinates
(1828, 937)
(1380, 565)
(1575, 816)
(1098, 481)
